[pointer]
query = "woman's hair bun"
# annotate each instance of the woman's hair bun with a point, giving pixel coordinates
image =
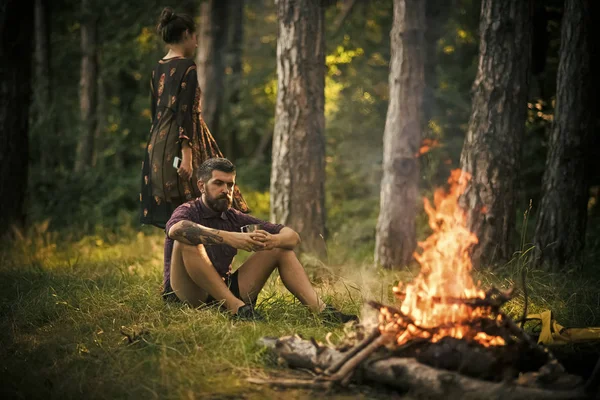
(171, 26)
(166, 16)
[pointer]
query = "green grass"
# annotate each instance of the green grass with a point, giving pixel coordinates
(64, 302)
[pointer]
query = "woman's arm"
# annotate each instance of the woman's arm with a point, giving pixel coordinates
(185, 119)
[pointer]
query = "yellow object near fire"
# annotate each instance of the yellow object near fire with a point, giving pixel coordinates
(552, 333)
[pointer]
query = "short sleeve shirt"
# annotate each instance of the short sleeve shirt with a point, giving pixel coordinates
(231, 220)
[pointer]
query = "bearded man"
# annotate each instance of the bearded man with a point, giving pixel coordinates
(203, 237)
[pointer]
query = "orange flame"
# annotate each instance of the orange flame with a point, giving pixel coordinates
(432, 302)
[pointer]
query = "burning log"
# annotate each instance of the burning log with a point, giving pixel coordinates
(405, 374)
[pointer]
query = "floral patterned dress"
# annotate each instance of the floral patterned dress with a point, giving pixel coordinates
(176, 122)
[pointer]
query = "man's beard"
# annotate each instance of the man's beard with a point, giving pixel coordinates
(218, 204)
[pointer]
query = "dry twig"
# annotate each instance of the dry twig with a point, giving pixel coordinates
(353, 351)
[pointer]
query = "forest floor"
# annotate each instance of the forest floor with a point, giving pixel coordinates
(67, 304)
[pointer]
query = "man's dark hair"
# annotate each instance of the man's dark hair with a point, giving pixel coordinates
(214, 164)
(171, 26)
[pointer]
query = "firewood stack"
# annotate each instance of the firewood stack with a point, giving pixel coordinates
(514, 367)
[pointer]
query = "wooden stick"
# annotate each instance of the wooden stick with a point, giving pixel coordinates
(526, 297)
(292, 383)
(404, 317)
(355, 361)
(473, 302)
(353, 351)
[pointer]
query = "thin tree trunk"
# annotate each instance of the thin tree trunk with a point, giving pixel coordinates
(261, 149)
(234, 76)
(212, 40)
(298, 170)
(396, 236)
(16, 40)
(88, 87)
(41, 100)
(492, 148)
(561, 224)
(99, 137)
(42, 54)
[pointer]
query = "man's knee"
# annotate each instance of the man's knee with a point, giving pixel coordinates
(283, 254)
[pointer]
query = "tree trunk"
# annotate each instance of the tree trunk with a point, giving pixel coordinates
(234, 76)
(492, 148)
(212, 40)
(561, 224)
(42, 54)
(41, 103)
(396, 236)
(88, 87)
(16, 38)
(298, 170)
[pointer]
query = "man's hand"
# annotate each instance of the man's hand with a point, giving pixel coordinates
(269, 241)
(244, 241)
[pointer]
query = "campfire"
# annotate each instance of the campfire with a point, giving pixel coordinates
(446, 338)
(443, 301)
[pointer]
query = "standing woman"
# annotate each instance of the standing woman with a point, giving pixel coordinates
(178, 130)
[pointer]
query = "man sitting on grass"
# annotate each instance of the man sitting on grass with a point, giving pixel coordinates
(203, 236)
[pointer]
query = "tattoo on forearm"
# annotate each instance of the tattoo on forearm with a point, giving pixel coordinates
(196, 234)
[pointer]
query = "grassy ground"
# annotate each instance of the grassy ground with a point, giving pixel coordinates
(66, 302)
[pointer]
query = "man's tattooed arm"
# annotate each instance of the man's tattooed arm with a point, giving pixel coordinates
(191, 233)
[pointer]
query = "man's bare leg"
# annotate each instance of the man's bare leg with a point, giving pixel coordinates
(255, 272)
(193, 278)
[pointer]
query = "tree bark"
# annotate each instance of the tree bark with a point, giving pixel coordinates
(42, 54)
(212, 41)
(88, 86)
(16, 39)
(41, 101)
(561, 224)
(298, 169)
(234, 75)
(396, 236)
(492, 147)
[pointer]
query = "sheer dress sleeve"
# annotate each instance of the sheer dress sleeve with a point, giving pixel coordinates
(186, 104)
(152, 97)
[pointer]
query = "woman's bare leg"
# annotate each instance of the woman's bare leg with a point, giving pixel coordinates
(193, 278)
(253, 275)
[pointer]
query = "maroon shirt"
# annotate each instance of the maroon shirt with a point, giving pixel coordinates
(221, 255)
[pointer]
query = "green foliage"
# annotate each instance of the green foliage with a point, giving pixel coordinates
(357, 58)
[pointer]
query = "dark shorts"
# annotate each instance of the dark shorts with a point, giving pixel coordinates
(230, 280)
